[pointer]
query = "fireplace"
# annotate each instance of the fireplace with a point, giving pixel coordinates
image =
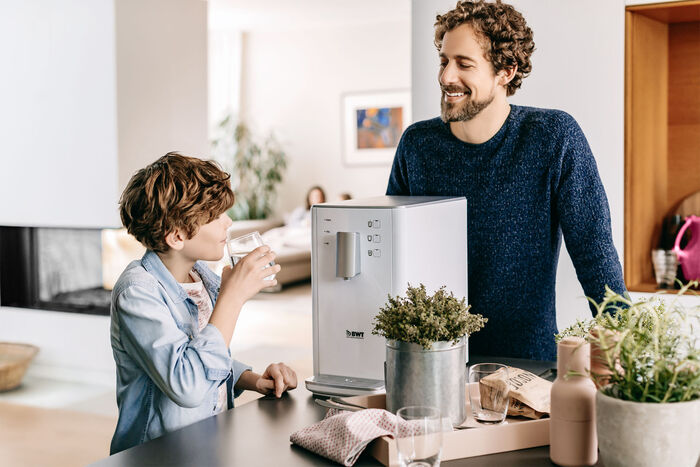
(62, 269)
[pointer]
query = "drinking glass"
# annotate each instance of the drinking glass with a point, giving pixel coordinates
(665, 265)
(418, 436)
(488, 392)
(241, 246)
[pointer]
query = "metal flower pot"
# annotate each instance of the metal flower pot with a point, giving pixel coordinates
(434, 377)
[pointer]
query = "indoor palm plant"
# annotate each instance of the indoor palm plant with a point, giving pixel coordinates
(256, 168)
(426, 349)
(648, 411)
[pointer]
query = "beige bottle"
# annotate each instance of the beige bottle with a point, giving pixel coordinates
(572, 432)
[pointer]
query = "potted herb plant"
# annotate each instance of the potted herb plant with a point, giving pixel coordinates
(648, 411)
(426, 350)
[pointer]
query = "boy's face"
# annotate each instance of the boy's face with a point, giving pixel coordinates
(208, 243)
(466, 77)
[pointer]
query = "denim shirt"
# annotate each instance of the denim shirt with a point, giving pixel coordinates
(168, 372)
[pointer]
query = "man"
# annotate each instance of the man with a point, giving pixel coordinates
(528, 175)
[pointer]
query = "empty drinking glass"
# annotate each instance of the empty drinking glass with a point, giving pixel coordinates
(418, 436)
(665, 265)
(241, 246)
(488, 392)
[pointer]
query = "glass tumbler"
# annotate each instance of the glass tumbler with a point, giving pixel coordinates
(418, 435)
(488, 392)
(665, 266)
(241, 246)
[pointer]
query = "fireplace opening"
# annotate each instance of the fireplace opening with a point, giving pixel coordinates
(63, 269)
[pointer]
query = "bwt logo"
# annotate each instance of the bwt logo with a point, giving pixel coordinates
(354, 334)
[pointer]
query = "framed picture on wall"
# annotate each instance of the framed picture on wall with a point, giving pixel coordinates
(372, 125)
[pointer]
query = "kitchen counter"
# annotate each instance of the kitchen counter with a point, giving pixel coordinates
(258, 434)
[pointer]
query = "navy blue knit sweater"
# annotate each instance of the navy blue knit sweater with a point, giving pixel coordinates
(535, 179)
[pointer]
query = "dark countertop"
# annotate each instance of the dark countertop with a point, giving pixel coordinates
(258, 434)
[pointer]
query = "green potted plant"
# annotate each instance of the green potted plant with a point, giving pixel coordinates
(426, 350)
(648, 411)
(256, 167)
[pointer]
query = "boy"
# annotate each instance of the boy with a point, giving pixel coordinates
(172, 319)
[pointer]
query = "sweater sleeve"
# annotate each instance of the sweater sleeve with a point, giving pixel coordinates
(584, 216)
(398, 179)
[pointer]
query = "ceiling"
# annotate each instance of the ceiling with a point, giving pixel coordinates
(303, 14)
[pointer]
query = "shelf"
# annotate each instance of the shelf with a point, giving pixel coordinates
(662, 125)
(649, 287)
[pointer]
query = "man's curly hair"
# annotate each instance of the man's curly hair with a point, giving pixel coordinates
(508, 40)
(174, 192)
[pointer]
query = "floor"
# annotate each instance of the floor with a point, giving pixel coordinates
(75, 421)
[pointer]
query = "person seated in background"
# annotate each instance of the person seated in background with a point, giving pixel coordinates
(302, 216)
(315, 195)
(296, 232)
(172, 319)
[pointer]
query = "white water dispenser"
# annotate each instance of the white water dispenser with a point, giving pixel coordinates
(362, 251)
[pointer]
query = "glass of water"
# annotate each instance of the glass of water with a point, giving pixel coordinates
(418, 436)
(241, 246)
(488, 392)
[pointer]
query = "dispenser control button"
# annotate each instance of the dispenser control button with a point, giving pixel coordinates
(369, 238)
(377, 239)
(369, 223)
(369, 252)
(376, 224)
(377, 253)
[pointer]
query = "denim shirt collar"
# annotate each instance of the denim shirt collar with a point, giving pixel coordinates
(153, 264)
(211, 281)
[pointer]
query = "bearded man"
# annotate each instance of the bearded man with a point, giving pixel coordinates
(528, 175)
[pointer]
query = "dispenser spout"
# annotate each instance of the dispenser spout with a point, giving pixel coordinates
(347, 254)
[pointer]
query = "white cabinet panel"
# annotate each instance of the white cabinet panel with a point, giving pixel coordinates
(90, 92)
(58, 164)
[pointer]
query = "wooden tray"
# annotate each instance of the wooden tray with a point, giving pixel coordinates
(516, 433)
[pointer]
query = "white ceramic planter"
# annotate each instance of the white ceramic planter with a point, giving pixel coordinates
(647, 434)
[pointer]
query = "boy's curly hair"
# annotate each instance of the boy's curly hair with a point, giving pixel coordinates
(508, 40)
(175, 192)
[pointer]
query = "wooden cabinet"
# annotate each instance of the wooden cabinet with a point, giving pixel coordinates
(662, 125)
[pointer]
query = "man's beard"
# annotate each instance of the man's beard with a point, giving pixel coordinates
(464, 110)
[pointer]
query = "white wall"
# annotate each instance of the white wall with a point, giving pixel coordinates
(162, 81)
(58, 124)
(224, 51)
(578, 66)
(91, 91)
(645, 2)
(293, 82)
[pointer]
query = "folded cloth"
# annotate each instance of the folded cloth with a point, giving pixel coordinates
(342, 436)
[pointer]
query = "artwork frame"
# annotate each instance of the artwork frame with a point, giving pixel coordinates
(372, 123)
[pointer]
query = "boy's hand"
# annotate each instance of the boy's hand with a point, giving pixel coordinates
(247, 278)
(277, 378)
